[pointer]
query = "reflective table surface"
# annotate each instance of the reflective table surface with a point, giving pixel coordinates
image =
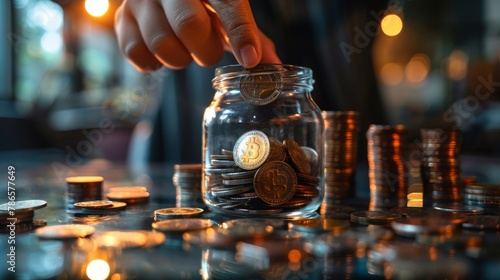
(337, 249)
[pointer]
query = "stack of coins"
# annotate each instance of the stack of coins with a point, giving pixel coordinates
(129, 195)
(187, 182)
(387, 171)
(262, 175)
(440, 165)
(341, 137)
(17, 216)
(83, 188)
(486, 196)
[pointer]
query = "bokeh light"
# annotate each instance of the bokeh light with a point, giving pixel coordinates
(391, 74)
(96, 8)
(98, 270)
(418, 68)
(457, 65)
(391, 25)
(51, 42)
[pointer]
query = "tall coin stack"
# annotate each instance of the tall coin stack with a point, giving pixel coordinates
(440, 165)
(387, 170)
(187, 182)
(341, 136)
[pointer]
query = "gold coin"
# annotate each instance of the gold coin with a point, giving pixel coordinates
(275, 182)
(251, 150)
(182, 225)
(177, 212)
(94, 204)
(297, 156)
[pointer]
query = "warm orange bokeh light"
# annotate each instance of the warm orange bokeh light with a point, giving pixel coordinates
(391, 25)
(391, 74)
(96, 8)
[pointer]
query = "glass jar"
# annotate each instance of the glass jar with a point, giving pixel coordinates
(263, 143)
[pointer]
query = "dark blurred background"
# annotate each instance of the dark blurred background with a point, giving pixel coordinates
(66, 89)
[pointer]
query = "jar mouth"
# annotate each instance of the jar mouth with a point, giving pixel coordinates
(233, 75)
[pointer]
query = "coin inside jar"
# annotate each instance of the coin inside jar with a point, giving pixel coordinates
(297, 156)
(260, 88)
(275, 182)
(251, 150)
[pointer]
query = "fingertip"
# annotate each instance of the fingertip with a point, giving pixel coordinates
(249, 57)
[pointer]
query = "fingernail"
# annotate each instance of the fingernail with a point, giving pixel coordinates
(249, 56)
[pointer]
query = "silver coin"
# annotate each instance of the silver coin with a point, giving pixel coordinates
(261, 88)
(23, 205)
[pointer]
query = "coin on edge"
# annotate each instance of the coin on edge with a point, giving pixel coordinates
(298, 157)
(64, 231)
(251, 149)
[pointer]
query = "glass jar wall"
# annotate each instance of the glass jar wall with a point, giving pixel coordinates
(263, 143)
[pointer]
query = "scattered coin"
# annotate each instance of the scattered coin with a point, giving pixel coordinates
(93, 204)
(177, 212)
(182, 225)
(64, 231)
(23, 205)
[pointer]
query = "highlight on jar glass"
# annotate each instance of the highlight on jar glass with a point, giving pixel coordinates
(263, 143)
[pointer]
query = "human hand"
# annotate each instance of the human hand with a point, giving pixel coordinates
(173, 33)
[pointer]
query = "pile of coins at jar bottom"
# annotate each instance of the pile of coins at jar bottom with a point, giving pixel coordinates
(341, 137)
(18, 217)
(387, 171)
(440, 165)
(187, 182)
(262, 175)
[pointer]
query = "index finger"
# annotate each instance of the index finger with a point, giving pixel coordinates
(237, 19)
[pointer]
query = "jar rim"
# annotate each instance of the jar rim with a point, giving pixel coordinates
(291, 74)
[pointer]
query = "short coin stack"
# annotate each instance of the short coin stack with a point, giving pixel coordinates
(82, 188)
(486, 196)
(440, 165)
(262, 175)
(18, 216)
(187, 182)
(341, 137)
(129, 195)
(387, 171)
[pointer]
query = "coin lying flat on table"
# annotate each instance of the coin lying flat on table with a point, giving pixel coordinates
(22, 205)
(93, 204)
(373, 217)
(320, 225)
(64, 231)
(182, 225)
(177, 212)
